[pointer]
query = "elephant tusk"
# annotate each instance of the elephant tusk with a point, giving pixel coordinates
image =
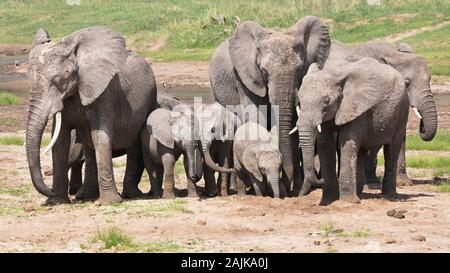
(319, 128)
(417, 112)
(56, 133)
(297, 108)
(293, 130)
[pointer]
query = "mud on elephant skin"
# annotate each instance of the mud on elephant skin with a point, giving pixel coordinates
(259, 66)
(88, 82)
(168, 135)
(256, 161)
(366, 102)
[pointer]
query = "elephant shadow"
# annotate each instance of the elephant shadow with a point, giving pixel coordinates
(401, 197)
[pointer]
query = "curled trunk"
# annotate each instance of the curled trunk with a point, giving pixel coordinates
(428, 124)
(37, 119)
(210, 162)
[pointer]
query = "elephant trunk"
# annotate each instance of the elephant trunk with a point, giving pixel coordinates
(191, 161)
(37, 119)
(210, 162)
(274, 183)
(307, 139)
(428, 123)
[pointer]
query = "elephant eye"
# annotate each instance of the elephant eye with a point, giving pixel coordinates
(213, 129)
(407, 82)
(326, 100)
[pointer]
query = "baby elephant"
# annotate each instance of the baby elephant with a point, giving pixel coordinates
(167, 136)
(256, 160)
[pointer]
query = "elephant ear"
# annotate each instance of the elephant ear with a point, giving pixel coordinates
(41, 37)
(315, 39)
(364, 84)
(250, 162)
(159, 127)
(243, 55)
(404, 47)
(100, 53)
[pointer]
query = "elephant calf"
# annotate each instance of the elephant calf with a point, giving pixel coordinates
(255, 159)
(167, 136)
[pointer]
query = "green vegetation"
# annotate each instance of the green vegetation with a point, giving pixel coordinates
(434, 46)
(121, 241)
(439, 164)
(11, 140)
(192, 29)
(8, 99)
(328, 229)
(441, 142)
(16, 140)
(153, 208)
(15, 190)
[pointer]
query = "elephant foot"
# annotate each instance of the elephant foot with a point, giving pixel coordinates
(372, 180)
(328, 197)
(390, 195)
(109, 197)
(131, 193)
(224, 192)
(57, 200)
(155, 194)
(306, 188)
(192, 194)
(74, 188)
(168, 194)
(85, 194)
(351, 198)
(403, 180)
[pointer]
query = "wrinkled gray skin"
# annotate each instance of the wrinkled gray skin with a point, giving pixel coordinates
(367, 103)
(256, 160)
(76, 158)
(217, 127)
(414, 69)
(102, 92)
(259, 66)
(167, 136)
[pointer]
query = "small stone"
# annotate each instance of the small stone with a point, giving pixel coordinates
(402, 211)
(48, 172)
(391, 212)
(201, 222)
(391, 241)
(399, 215)
(317, 243)
(419, 238)
(29, 208)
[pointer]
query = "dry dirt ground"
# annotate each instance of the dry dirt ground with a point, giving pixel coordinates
(223, 224)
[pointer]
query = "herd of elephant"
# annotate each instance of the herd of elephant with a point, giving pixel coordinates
(339, 102)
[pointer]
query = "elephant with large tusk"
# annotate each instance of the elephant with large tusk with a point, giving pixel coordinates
(88, 81)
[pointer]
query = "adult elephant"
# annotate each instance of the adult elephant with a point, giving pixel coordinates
(88, 82)
(258, 66)
(413, 68)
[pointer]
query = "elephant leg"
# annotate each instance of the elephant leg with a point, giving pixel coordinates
(402, 176)
(169, 179)
(60, 162)
(327, 155)
(224, 177)
(133, 172)
(210, 181)
(89, 189)
(363, 157)
(191, 186)
(370, 167)
(103, 156)
(348, 172)
(155, 174)
(257, 186)
(76, 179)
(391, 153)
(240, 181)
